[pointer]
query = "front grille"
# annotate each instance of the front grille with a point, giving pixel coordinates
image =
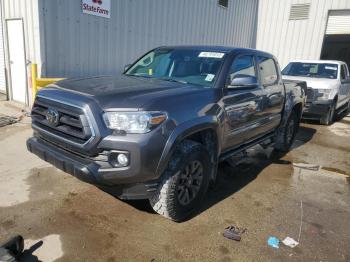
(72, 123)
(310, 95)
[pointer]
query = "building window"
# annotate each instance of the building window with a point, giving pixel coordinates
(299, 12)
(223, 3)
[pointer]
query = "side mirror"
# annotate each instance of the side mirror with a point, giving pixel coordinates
(243, 81)
(126, 67)
(346, 80)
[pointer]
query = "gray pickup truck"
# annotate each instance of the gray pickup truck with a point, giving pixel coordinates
(160, 129)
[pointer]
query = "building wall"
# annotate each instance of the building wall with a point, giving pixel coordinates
(28, 11)
(294, 39)
(77, 44)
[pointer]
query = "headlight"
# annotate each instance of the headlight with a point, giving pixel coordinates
(323, 94)
(133, 122)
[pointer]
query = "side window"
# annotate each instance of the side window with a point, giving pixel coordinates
(268, 71)
(242, 66)
(343, 73)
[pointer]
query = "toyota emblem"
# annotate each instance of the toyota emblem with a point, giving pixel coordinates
(52, 116)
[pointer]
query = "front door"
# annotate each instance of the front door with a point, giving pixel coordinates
(243, 105)
(344, 91)
(17, 60)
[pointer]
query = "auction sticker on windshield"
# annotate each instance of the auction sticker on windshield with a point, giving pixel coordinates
(209, 77)
(211, 54)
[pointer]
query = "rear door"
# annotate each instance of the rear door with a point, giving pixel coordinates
(243, 105)
(272, 84)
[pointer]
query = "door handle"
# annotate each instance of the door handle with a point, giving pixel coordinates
(11, 62)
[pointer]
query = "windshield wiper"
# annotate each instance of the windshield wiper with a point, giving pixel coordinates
(173, 80)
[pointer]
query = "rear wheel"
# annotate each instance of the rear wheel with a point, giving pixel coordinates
(288, 133)
(184, 183)
(329, 117)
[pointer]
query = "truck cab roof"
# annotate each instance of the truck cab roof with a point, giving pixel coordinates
(217, 48)
(318, 61)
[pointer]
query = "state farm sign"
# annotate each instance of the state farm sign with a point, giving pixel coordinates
(97, 7)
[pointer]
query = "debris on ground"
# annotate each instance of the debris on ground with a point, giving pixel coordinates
(273, 242)
(312, 167)
(234, 233)
(290, 242)
(7, 120)
(12, 249)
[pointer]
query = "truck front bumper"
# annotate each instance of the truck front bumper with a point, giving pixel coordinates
(315, 110)
(117, 181)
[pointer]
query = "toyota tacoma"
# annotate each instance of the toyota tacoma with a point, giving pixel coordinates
(159, 130)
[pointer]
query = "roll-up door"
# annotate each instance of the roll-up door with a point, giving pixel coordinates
(338, 23)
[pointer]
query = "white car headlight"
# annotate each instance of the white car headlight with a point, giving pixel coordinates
(323, 94)
(133, 122)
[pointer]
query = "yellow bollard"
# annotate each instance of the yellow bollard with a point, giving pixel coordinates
(38, 83)
(34, 76)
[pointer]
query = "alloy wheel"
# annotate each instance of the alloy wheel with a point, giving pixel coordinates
(190, 181)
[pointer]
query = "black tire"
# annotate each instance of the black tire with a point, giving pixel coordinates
(174, 190)
(288, 133)
(329, 117)
(348, 109)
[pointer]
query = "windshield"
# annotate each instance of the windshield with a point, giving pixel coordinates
(329, 71)
(181, 65)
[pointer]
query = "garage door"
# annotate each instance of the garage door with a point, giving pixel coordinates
(2, 60)
(338, 23)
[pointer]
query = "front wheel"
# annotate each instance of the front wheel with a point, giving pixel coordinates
(329, 117)
(184, 183)
(348, 109)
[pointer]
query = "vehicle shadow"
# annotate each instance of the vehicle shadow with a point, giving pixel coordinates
(337, 118)
(232, 179)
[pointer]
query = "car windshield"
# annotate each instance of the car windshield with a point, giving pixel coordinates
(191, 66)
(317, 70)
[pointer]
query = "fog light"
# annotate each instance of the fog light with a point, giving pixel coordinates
(123, 159)
(118, 159)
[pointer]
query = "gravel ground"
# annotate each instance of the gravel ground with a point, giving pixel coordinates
(63, 219)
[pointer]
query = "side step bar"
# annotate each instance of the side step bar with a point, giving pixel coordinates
(248, 145)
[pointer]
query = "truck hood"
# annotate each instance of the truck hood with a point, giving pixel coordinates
(122, 91)
(315, 83)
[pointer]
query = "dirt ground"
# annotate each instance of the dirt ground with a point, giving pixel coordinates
(63, 219)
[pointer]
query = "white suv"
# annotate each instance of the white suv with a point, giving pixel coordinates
(328, 87)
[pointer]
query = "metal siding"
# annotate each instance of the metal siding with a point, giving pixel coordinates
(294, 39)
(77, 44)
